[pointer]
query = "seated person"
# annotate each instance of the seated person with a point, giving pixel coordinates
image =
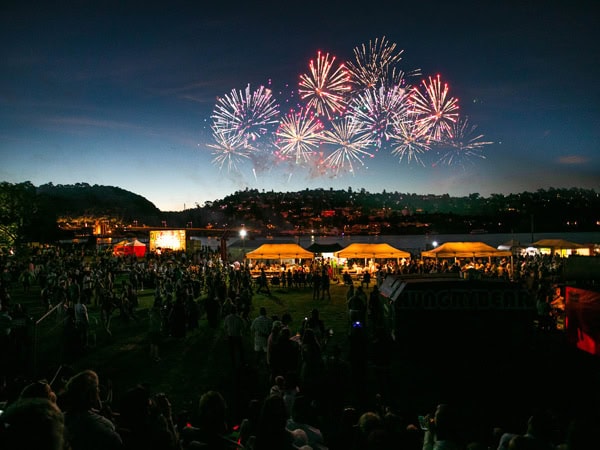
(32, 423)
(347, 278)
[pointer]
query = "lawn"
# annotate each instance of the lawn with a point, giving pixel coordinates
(188, 366)
(200, 362)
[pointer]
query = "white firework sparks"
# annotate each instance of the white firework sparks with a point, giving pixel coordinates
(324, 89)
(373, 63)
(298, 136)
(351, 143)
(462, 145)
(229, 152)
(408, 140)
(434, 109)
(245, 114)
(377, 109)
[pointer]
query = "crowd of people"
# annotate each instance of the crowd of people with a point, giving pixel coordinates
(307, 404)
(72, 416)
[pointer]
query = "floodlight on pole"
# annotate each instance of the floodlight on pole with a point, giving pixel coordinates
(243, 234)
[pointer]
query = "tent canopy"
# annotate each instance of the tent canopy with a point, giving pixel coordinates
(375, 251)
(464, 250)
(134, 247)
(279, 251)
(559, 244)
(136, 243)
(511, 244)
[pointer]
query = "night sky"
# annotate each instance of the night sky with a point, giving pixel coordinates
(121, 93)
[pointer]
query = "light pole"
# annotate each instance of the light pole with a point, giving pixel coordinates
(243, 234)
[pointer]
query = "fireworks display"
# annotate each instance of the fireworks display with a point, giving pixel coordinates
(246, 114)
(462, 145)
(350, 141)
(376, 109)
(409, 140)
(434, 110)
(342, 114)
(324, 89)
(229, 151)
(298, 136)
(373, 63)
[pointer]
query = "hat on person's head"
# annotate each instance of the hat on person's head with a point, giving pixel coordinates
(276, 324)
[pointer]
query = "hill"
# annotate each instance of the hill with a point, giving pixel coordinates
(50, 212)
(81, 199)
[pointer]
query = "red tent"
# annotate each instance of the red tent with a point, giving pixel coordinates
(135, 248)
(119, 248)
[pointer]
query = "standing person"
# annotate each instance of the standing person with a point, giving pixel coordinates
(261, 328)
(272, 339)
(366, 278)
(316, 279)
(374, 309)
(73, 290)
(356, 310)
(88, 284)
(315, 323)
(177, 319)
(155, 331)
(234, 328)
(213, 311)
(311, 366)
(263, 282)
(325, 281)
(82, 322)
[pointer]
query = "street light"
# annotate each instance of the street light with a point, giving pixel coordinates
(243, 234)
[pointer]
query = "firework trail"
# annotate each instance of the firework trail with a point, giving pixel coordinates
(434, 110)
(350, 141)
(372, 63)
(245, 114)
(324, 89)
(408, 140)
(376, 110)
(462, 145)
(298, 135)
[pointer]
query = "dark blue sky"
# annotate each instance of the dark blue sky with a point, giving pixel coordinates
(121, 93)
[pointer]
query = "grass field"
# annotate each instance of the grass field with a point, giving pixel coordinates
(189, 366)
(546, 374)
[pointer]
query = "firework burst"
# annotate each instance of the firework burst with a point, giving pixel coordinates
(408, 140)
(351, 144)
(324, 89)
(434, 110)
(229, 152)
(376, 110)
(462, 145)
(298, 136)
(245, 114)
(372, 63)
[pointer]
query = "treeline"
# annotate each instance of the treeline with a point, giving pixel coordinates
(550, 210)
(29, 213)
